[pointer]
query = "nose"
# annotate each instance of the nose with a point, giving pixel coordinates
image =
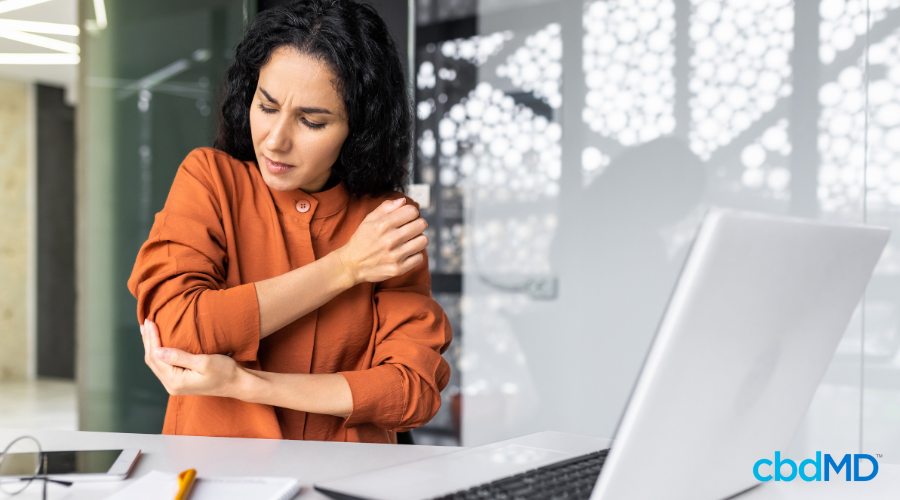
(279, 138)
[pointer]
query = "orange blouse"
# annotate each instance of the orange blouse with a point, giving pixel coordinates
(221, 230)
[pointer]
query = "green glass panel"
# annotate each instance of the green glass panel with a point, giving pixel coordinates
(149, 88)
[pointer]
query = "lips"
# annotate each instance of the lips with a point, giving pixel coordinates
(277, 168)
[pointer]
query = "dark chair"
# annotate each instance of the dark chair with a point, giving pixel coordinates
(405, 438)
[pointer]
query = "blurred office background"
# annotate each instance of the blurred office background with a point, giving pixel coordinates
(37, 212)
(571, 148)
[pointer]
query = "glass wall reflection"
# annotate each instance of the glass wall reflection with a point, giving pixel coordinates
(573, 147)
(149, 87)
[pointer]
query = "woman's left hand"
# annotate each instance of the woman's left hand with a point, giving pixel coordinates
(184, 373)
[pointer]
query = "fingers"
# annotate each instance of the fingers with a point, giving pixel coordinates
(151, 332)
(411, 262)
(149, 359)
(411, 230)
(402, 216)
(386, 207)
(394, 213)
(168, 355)
(177, 357)
(169, 365)
(413, 246)
(152, 343)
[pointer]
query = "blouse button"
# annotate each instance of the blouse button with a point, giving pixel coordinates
(303, 206)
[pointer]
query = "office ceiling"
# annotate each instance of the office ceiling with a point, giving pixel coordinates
(51, 11)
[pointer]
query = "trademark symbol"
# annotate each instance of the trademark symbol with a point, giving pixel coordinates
(879, 455)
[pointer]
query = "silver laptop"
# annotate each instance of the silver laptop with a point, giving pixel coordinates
(749, 331)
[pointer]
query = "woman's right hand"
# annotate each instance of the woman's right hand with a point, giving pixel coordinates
(388, 243)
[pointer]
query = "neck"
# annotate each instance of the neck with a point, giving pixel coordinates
(332, 182)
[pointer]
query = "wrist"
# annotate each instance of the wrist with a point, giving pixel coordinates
(245, 386)
(347, 272)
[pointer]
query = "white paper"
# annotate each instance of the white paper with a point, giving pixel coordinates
(163, 486)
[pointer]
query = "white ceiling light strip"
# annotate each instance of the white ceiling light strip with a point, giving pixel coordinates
(40, 41)
(37, 27)
(8, 5)
(22, 31)
(100, 12)
(39, 59)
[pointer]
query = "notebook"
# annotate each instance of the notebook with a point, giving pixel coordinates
(163, 486)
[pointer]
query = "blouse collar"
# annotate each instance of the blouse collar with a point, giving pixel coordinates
(322, 204)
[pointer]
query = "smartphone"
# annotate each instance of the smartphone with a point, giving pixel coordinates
(82, 465)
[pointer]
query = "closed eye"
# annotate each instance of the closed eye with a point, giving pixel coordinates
(314, 126)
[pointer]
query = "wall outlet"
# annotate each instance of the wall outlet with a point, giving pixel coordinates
(420, 193)
(543, 287)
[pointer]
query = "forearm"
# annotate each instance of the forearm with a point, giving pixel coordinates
(388, 243)
(327, 394)
(287, 298)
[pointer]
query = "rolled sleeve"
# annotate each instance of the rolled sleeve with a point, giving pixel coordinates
(402, 389)
(179, 274)
(229, 322)
(378, 395)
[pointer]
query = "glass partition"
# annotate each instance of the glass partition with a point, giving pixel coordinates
(573, 147)
(149, 85)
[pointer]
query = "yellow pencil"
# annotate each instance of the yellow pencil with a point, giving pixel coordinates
(185, 483)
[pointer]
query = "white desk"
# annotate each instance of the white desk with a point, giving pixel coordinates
(313, 461)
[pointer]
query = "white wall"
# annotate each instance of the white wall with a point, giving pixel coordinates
(14, 230)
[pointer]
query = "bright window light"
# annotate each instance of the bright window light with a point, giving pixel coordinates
(8, 5)
(100, 12)
(39, 59)
(35, 27)
(40, 41)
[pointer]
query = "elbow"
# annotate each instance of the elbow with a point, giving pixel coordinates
(178, 326)
(419, 411)
(178, 335)
(395, 397)
(199, 319)
(422, 406)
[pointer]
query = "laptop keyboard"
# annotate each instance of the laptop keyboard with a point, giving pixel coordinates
(570, 479)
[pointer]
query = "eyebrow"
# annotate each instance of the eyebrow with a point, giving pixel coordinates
(305, 109)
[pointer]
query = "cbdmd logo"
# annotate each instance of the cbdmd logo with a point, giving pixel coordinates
(819, 467)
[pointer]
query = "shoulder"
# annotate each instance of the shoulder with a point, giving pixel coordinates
(219, 172)
(208, 176)
(369, 203)
(212, 162)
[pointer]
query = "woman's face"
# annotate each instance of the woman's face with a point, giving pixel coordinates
(298, 122)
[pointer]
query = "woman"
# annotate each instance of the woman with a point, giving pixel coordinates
(287, 277)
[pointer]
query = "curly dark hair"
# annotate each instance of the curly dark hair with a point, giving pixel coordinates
(353, 40)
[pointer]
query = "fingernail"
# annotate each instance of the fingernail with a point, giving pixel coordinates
(161, 353)
(146, 322)
(142, 330)
(398, 201)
